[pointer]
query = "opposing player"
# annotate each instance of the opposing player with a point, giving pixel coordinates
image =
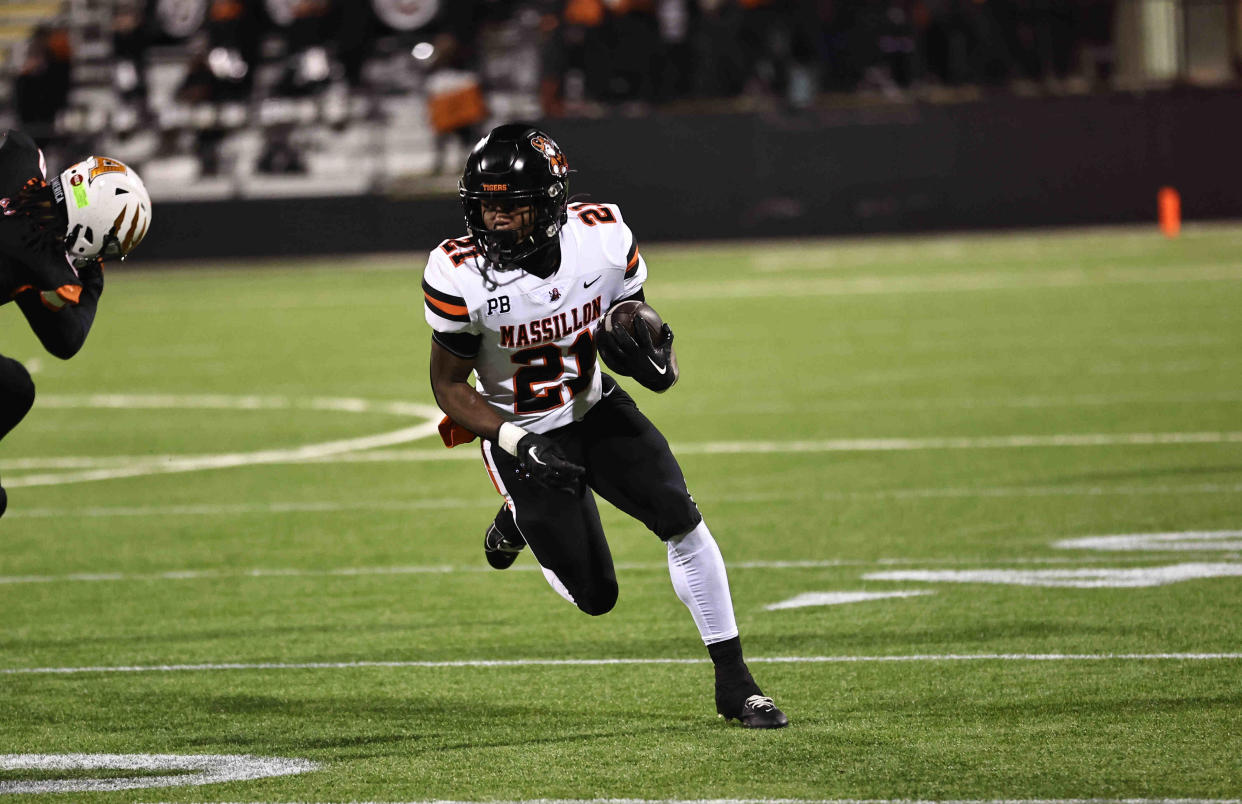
(517, 303)
(53, 238)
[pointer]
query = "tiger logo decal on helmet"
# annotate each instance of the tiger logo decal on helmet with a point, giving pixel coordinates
(557, 163)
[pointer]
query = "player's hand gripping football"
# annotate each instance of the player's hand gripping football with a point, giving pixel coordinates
(544, 462)
(639, 356)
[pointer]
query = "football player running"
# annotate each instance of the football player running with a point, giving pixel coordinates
(54, 236)
(517, 303)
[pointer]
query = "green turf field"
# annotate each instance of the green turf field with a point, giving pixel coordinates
(235, 494)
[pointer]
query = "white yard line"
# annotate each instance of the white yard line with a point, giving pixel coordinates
(175, 464)
(369, 449)
(1209, 540)
(825, 405)
(200, 769)
(1091, 578)
(232, 402)
(112, 467)
(1067, 277)
(449, 569)
(58, 470)
(490, 663)
(363, 452)
(812, 599)
(861, 445)
(949, 492)
(245, 509)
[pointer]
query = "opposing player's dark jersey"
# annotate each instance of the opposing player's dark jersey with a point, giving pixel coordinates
(29, 258)
(57, 299)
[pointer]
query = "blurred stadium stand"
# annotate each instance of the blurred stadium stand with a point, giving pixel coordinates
(844, 115)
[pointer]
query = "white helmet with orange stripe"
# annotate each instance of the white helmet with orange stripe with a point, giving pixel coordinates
(108, 209)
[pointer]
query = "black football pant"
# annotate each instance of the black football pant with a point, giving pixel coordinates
(17, 394)
(628, 463)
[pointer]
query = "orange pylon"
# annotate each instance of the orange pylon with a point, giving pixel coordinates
(1170, 206)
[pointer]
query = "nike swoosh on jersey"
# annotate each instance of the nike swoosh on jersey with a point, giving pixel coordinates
(592, 282)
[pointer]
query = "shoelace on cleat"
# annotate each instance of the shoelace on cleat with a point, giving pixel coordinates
(760, 702)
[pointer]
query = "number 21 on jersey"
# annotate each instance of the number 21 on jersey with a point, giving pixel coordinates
(544, 365)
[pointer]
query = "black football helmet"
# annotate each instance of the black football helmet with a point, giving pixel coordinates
(515, 165)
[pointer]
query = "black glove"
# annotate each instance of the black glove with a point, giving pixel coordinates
(542, 461)
(653, 364)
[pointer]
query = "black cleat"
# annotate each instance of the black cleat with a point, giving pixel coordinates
(758, 712)
(502, 542)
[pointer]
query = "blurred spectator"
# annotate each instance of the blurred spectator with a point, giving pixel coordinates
(455, 102)
(763, 38)
(308, 66)
(41, 88)
(584, 64)
(221, 70)
(966, 43)
(721, 69)
(674, 70)
(130, 39)
(875, 45)
(633, 43)
(355, 37)
(233, 32)
(1096, 55)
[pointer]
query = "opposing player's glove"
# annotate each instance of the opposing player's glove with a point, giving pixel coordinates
(540, 459)
(652, 363)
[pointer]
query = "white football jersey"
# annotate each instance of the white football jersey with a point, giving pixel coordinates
(537, 364)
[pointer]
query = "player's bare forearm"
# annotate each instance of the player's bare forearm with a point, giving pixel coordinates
(465, 406)
(450, 376)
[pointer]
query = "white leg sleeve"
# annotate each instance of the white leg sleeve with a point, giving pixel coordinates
(556, 584)
(698, 573)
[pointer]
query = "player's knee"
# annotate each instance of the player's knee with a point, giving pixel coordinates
(599, 599)
(676, 516)
(17, 393)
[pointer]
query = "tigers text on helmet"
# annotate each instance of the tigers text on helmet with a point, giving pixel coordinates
(516, 165)
(107, 206)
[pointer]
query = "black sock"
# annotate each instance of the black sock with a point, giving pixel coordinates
(734, 683)
(726, 653)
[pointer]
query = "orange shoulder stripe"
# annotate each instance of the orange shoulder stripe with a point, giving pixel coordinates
(451, 309)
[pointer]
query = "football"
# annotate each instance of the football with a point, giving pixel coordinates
(625, 314)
